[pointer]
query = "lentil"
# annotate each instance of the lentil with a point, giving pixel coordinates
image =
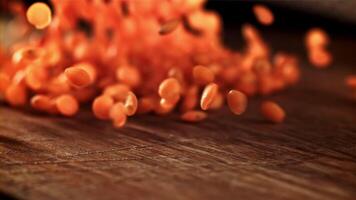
(272, 112)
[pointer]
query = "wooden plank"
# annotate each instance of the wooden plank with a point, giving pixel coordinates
(312, 155)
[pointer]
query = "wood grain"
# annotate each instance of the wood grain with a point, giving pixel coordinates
(310, 156)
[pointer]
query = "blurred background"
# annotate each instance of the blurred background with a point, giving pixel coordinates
(292, 19)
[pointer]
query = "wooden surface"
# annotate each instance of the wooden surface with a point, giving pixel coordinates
(310, 156)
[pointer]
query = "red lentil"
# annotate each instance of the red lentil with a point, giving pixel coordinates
(320, 58)
(117, 114)
(101, 106)
(350, 81)
(39, 15)
(80, 75)
(316, 37)
(209, 93)
(272, 112)
(131, 104)
(169, 26)
(203, 75)
(128, 75)
(316, 41)
(36, 76)
(263, 14)
(164, 107)
(193, 116)
(117, 91)
(169, 89)
(218, 102)
(67, 105)
(16, 94)
(41, 102)
(237, 102)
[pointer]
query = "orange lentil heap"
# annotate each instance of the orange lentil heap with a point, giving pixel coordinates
(133, 57)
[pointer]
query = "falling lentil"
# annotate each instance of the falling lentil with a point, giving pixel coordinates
(263, 14)
(237, 102)
(208, 95)
(203, 75)
(39, 15)
(272, 112)
(316, 41)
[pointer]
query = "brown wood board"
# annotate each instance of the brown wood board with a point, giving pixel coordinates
(312, 155)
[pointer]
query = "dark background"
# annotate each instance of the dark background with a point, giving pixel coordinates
(336, 16)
